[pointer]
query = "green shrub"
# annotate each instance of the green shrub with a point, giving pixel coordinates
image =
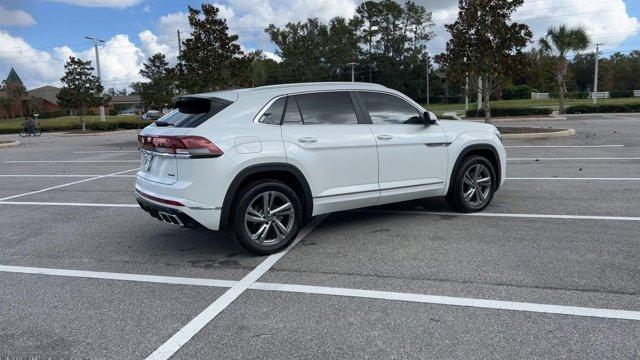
(621, 94)
(113, 112)
(603, 108)
(512, 111)
(518, 92)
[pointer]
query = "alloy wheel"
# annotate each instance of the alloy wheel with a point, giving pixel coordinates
(476, 185)
(269, 218)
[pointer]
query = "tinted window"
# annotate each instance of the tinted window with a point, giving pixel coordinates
(273, 115)
(191, 112)
(292, 114)
(389, 109)
(327, 108)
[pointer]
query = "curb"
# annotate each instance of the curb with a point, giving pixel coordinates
(548, 135)
(9, 144)
(515, 119)
(62, 134)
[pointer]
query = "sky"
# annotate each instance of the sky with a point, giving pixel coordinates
(37, 36)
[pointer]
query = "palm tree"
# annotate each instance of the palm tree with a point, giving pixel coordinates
(559, 42)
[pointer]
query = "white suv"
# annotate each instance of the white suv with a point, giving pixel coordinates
(262, 161)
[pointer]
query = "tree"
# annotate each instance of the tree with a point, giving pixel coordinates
(485, 43)
(559, 42)
(211, 58)
(36, 104)
(81, 89)
(113, 92)
(158, 92)
(6, 105)
(14, 91)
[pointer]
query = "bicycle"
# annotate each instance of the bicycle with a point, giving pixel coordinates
(29, 129)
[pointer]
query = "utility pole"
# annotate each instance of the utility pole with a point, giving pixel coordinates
(595, 76)
(352, 71)
(179, 43)
(427, 79)
(96, 41)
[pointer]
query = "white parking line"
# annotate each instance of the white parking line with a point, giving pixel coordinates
(180, 338)
(562, 146)
(453, 301)
(68, 204)
(68, 184)
(505, 215)
(336, 291)
(574, 178)
(70, 161)
(573, 159)
(105, 151)
(58, 176)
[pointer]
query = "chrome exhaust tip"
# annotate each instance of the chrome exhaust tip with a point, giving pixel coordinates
(170, 218)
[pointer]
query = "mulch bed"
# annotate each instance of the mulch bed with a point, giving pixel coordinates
(525, 130)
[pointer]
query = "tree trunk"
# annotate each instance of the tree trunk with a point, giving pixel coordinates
(561, 96)
(487, 85)
(82, 120)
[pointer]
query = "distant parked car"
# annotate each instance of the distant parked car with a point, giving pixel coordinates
(151, 115)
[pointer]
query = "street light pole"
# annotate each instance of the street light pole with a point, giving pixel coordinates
(352, 71)
(595, 76)
(96, 41)
(427, 79)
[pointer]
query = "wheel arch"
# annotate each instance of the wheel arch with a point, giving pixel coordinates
(486, 150)
(276, 171)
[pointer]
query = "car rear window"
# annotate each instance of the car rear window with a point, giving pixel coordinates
(193, 111)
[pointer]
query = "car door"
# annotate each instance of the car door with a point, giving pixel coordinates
(325, 136)
(412, 156)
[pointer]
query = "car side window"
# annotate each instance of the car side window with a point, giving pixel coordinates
(389, 109)
(292, 113)
(273, 115)
(327, 108)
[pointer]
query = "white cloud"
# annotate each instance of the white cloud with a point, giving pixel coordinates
(146, 8)
(150, 44)
(121, 4)
(15, 18)
(606, 21)
(35, 67)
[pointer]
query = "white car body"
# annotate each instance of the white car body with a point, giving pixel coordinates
(345, 166)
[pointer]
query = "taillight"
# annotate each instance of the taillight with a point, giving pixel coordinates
(194, 146)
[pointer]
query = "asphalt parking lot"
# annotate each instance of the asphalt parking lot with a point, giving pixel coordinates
(551, 269)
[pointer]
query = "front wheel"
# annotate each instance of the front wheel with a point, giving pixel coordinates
(473, 185)
(267, 216)
(36, 131)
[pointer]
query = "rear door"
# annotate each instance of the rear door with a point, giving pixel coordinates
(412, 156)
(326, 137)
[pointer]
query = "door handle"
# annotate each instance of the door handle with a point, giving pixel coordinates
(384, 137)
(307, 139)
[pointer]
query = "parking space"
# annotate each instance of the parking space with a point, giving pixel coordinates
(550, 269)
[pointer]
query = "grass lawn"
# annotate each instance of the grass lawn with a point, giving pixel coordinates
(73, 122)
(553, 103)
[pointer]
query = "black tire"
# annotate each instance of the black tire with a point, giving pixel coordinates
(23, 132)
(37, 132)
(275, 238)
(483, 194)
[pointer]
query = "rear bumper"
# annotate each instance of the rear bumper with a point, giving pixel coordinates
(188, 215)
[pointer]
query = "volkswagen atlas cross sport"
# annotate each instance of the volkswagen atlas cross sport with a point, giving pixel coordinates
(262, 161)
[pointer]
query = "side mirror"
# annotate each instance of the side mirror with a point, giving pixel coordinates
(428, 119)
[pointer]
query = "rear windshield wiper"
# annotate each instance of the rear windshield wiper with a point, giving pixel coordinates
(162, 123)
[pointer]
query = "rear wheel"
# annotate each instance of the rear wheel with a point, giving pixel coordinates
(473, 185)
(267, 216)
(23, 132)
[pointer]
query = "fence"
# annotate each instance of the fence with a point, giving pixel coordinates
(539, 96)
